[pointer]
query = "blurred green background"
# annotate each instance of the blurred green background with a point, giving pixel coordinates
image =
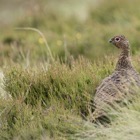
(70, 27)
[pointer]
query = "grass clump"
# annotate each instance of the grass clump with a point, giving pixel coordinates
(70, 85)
(55, 101)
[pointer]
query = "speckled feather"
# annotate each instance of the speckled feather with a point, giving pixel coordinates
(121, 81)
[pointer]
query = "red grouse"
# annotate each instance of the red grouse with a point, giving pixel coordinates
(121, 81)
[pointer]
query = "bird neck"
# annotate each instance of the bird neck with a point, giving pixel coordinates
(124, 61)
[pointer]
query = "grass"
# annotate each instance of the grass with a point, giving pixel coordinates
(53, 99)
(55, 103)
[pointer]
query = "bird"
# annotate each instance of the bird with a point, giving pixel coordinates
(120, 82)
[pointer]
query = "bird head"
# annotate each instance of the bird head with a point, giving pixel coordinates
(120, 42)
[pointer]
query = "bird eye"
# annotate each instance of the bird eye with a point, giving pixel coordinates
(117, 39)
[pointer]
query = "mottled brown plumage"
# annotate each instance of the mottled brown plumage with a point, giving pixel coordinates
(121, 81)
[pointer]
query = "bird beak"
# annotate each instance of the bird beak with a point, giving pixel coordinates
(110, 41)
